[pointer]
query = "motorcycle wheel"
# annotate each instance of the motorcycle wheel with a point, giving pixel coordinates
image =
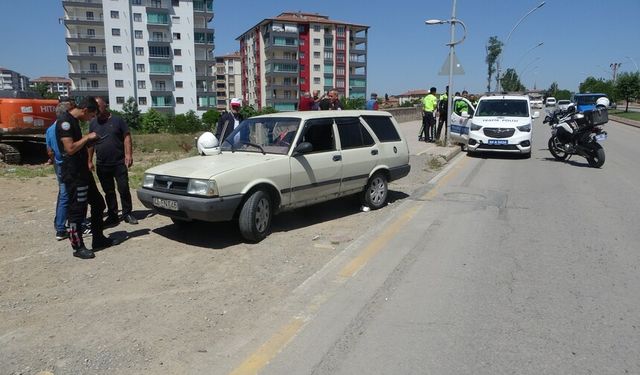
(556, 148)
(597, 160)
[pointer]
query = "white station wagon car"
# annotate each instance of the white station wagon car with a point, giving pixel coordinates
(501, 123)
(278, 162)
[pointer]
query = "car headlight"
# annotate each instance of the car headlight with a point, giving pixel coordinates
(148, 180)
(525, 128)
(207, 188)
(475, 127)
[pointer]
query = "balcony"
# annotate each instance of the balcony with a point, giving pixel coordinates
(80, 37)
(91, 89)
(94, 72)
(203, 8)
(157, 5)
(282, 86)
(93, 56)
(83, 3)
(160, 57)
(75, 20)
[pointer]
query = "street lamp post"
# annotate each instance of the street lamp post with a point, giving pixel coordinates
(452, 43)
(507, 42)
(525, 54)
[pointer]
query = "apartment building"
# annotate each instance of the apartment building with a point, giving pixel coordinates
(57, 85)
(296, 52)
(160, 52)
(12, 80)
(228, 79)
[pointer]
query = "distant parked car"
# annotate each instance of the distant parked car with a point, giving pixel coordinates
(564, 104)
(536, 103)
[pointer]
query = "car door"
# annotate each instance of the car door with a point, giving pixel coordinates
(316, 175)
(359, 154)
(459, 124)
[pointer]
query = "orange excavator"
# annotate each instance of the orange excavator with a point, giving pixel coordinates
(24, 117)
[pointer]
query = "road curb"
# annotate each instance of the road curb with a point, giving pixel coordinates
(625, 121)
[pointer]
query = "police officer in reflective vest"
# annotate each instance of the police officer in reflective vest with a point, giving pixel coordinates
(429, 104)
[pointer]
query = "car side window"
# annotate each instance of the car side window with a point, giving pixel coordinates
(352, 133)
(319, 132)
(383, 128)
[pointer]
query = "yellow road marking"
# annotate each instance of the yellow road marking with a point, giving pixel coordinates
(261, 357)
(269, 349)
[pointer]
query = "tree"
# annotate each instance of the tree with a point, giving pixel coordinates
(511, 82)
(494, 49)
(210, 119)
(597, 85)
(153, 121)
(42, 88)
(627, 87)
(131, 114)
(553, 90)
(352, 103)
(563, 94)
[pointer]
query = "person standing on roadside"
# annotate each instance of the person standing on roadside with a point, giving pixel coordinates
(229, 120)
(114, 157)
(429, 104)
(442, 112)
(372, 104)
(306, 102)
(316, 100)
(332, 102)
(78, 179)
(55, 158)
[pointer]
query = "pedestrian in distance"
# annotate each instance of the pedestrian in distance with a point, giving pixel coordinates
(229, 120)
(429, 105)
(306, 102)
(316, 100)
(114, 158)
(372, 104)
(332, 101)
(78, 179)
(442, 112)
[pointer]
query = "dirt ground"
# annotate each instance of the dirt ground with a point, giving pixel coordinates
(165, 300)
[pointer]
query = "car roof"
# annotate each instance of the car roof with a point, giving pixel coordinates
(510, 97)
(305, 115)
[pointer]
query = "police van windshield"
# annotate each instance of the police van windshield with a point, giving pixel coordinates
(503, 107)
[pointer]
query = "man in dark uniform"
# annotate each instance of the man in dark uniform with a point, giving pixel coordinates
(78, 179)
(114, 155)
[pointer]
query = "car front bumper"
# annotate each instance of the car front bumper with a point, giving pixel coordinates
(192, 208)
(519, 143)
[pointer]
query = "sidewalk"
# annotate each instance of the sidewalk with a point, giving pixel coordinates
(625, 121)
(410, 131)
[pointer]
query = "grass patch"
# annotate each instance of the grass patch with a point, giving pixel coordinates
(26, 171)
(627, 115)
(163, 142)
(434, 164)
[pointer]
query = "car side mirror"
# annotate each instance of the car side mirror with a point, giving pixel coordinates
(465, 114)
(303, 148)
(536, 114)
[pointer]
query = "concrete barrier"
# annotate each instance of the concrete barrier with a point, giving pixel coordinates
(406, 114)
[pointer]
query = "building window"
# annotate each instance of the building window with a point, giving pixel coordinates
(328, 42)
(117, 49)
(175, 3)
(139, 68)
(316, 41)
(339, 70)
(136, 2)
(339, 82)
(89, 16)
(177, 68)
(316, 67)
(316, 28)
(328, 55)
(95, 84)
(340, 30)
(142, 100)
(119, 83)
(91, 33)
(177, 52)
(340, 44)
(175, 19)
(137, 34)
(119, 99)
(178, 84)
(176, 36)
(316, 80)
(340, 57)
(316, 55)
(302, 81)
(115, 14)
(137, 17)
(139, 51)
(179, 100)
(115, 32)
(117, 66)
(142, 84)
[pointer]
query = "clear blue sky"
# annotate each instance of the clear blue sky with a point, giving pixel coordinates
(581, 38)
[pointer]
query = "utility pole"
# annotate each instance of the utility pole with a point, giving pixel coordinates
(615, 67)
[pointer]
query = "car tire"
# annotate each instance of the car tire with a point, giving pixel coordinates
(255, 216)
(376, 192)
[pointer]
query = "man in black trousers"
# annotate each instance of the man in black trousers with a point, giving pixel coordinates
(114, 157)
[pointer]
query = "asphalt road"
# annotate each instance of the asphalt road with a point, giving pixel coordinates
(501, 266)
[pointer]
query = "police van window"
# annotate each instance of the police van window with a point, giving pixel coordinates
(352, 133)
(383, 127)
(319, 132)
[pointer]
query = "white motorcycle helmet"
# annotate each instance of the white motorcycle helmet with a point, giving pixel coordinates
(602, 102)
(206, 143)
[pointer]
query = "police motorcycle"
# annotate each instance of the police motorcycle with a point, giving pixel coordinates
(579, 133)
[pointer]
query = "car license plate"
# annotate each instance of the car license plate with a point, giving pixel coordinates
(165, 203)
(601, 137)
(498, 142)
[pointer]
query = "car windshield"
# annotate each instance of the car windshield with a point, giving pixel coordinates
(268, 135)
(503, 107)
(563, 102)
(588, 99)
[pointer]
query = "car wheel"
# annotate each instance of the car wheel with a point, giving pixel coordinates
(255, 216)
(376, 192)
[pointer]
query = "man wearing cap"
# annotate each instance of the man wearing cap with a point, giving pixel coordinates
(229, 120)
